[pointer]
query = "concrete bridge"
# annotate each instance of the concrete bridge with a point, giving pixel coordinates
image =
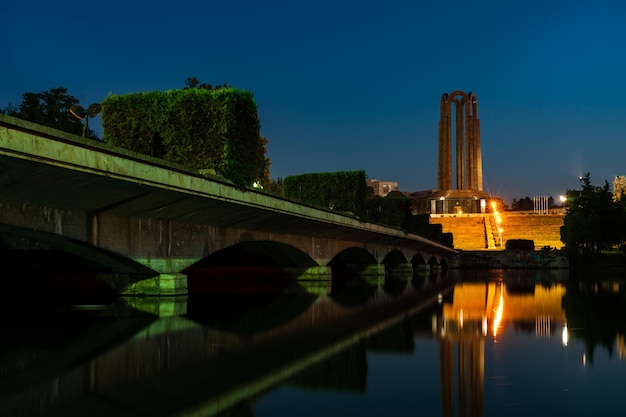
(170, 220)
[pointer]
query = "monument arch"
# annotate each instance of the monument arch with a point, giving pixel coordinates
(460, 171)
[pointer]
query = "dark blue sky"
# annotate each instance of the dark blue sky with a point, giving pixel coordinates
(346, 85)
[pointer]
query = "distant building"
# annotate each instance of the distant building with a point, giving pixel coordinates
(382, 188)
(619, 186)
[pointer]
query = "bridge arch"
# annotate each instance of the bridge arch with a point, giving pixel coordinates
(256, 253)
(250, 260)
(444, 265)
(354, 258)
(398, 272)
(355, 276)
(49, 264)
(418, 260)
(394, 257)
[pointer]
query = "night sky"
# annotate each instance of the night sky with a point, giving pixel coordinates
(351, 85)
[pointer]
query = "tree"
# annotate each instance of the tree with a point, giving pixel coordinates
(50, 108)
(264, 164)
(275, 186)
(594, 220)
(396, 194)
(523, 204)
(530, 204)
(193, 82)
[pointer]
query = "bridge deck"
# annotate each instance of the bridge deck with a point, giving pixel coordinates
(49, 168)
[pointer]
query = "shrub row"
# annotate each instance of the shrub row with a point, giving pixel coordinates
(343, 191)
(213, 130)
(346, 191)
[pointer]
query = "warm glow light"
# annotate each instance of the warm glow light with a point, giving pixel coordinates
(461, 318)
(498, 316)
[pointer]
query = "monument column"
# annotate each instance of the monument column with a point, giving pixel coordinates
(468, 160)
(444, 176)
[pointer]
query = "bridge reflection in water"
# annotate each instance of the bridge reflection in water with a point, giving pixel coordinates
(226, 352)
(219, 352)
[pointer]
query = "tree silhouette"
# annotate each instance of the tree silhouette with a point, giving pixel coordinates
(594, 220)
(49, 108)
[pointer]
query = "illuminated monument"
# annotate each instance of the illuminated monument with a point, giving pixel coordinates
(465, 194)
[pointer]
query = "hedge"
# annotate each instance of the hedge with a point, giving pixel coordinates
(390, 211)
(213, 130)
(342, 191)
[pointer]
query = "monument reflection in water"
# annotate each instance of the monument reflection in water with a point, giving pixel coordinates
(498, 343)
(513, 343)
(479, 311)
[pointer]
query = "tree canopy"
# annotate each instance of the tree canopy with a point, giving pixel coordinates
(49, 108)
(594, 220)
(528, 204)
(193, 82)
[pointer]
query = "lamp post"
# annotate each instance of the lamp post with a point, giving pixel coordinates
(79, 112)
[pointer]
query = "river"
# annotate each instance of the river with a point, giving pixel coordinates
(471, 343)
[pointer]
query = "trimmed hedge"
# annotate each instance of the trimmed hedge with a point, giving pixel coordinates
(520, 244)
(390, 211)
(341, 191)
(213, 130)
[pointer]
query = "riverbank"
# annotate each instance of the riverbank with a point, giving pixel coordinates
(514, 259)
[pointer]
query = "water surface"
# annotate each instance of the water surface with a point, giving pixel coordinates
(486, 343)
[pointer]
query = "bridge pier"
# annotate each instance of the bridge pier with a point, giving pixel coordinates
(162, 285)
(313, 273)
(400, 269)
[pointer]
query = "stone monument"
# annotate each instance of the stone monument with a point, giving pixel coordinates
(459, 185)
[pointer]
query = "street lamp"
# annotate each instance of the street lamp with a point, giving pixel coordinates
(79, 112)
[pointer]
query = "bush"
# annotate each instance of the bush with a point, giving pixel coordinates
(520, 244)
(342, 191)
(214, 130)
(390, 211)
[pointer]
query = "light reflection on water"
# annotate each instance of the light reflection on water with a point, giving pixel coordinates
(495, 343)
(532, 357)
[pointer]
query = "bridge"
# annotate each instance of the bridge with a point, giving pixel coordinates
(149, 224)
